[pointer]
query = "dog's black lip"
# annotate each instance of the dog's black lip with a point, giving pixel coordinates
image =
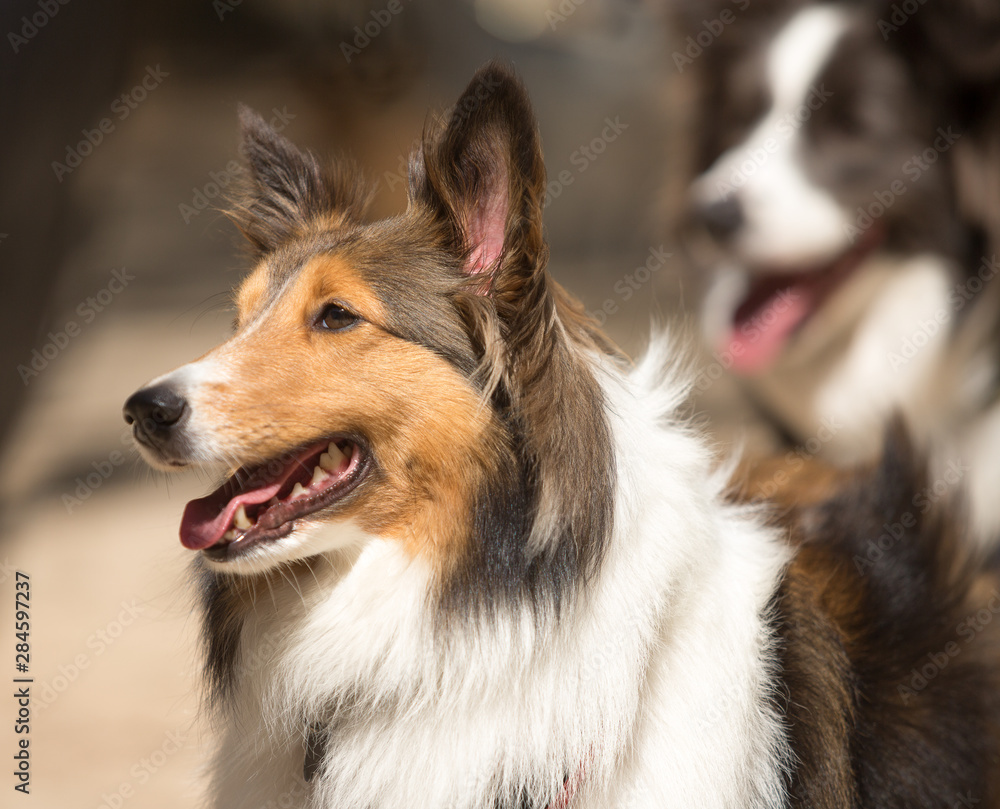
(305, 507)
(140, 438)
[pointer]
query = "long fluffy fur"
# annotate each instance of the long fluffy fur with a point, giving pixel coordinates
(609, 629)
(479, 714)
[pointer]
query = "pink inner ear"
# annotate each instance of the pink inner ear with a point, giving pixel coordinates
(486, 233)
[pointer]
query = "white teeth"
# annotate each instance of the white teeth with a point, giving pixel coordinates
(297, 492)
(241, 520)
(332, 458)
(230, 535)
(318, 476)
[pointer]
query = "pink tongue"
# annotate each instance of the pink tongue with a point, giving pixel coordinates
(206, 520)
(758, 336)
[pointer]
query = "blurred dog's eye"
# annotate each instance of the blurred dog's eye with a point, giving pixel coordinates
(334, 318)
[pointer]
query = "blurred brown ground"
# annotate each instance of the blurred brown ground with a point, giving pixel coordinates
(115, 719)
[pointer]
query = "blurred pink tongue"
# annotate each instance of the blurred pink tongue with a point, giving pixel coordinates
(778, 303)
(207, 519)
(763, 324)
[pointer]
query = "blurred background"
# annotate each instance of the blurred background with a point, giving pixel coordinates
(118, 143)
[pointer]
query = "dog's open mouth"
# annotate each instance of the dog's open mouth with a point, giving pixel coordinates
(261, 504)
(778, 304)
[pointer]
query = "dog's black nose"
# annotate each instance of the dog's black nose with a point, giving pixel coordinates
(722, 217)
(153, 411)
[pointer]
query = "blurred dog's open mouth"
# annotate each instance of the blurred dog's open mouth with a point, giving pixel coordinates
(261, 504)
(778, 304)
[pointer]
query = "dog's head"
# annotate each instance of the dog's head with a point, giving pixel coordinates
(825, 171)
(382, 377)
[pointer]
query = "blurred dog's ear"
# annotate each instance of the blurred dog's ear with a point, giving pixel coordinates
(484, 178)
(963, 34)
(287, 190)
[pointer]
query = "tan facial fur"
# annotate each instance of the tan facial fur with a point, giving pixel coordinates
(283, 383)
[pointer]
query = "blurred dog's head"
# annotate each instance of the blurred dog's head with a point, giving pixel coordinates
(824, 218)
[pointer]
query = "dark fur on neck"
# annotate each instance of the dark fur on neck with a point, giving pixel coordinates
(889, 702)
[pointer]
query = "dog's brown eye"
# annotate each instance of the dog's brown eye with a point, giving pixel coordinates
(334, 318)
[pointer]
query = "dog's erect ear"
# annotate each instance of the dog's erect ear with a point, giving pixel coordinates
(287, 189)
(483, 176)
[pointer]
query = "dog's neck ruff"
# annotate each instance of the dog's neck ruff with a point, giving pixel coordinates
(660, 662)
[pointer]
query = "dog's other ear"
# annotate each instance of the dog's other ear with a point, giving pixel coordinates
(965, 34)
(484, 178)
(287, 190)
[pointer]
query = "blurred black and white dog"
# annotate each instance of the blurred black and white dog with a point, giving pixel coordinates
(844, 220)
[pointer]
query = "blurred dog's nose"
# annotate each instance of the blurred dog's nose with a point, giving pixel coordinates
(722, 217)
(154, 411)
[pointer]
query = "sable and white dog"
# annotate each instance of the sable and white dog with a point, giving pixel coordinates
(470, 557)
(848, 221)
